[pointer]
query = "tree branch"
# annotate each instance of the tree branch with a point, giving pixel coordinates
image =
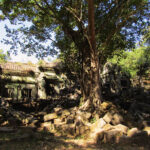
(73, 13)
(81, 11)
(115, 11)
(118, 27)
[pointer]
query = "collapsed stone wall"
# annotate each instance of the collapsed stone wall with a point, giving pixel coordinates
(114, 81)
(46, 81)
(49, 81)
(73, 121)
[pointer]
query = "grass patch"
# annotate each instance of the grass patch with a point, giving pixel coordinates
(93, 120)
(79, 137)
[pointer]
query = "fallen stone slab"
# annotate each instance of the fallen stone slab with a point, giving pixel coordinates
(111, 136)
(98, 125)
(132, 132)
(50, 117)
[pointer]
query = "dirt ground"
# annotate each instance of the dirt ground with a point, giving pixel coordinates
(26, 139)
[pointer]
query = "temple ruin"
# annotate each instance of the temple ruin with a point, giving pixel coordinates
(20, 81)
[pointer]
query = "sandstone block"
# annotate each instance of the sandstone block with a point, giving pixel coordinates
(132, 132)
(122, 128)
(117, 119)
(58, 110)
(57, 121)
(105, 105)
(84, 115)
(108, 117)
(111, 136)
(65, 113)
(50, 116)
(108, 127)
(68, 129)
(98, 125)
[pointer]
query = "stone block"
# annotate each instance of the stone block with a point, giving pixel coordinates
(117, 119)
(111, 136)
(108, 117)
(122, 128)
(132, 132)
(57, 121)
(85, 116)
(108, 127)
(68, 129)
(50, 117)
(65, 113)
(58, 110)
(98, 125)
(105, 105)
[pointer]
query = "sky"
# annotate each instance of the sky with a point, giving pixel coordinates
(20, 57)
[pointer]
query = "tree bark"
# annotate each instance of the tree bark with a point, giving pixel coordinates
(91, 89)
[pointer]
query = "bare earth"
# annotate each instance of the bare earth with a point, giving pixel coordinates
(25, 139)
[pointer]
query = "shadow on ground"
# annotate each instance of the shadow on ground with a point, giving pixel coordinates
(26, 138)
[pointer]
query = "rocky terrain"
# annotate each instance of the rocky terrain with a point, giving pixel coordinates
(59, 122)
(64, 122)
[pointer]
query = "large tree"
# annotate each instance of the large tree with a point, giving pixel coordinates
(118, 24)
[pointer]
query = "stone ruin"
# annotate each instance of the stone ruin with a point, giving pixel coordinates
(41, 82)
(20, 81)
(115, 82)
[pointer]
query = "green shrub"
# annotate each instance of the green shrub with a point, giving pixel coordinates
(135, 62)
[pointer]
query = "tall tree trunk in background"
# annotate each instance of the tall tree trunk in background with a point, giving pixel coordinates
(90, 74)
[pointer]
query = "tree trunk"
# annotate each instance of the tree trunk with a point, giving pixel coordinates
(91, 88)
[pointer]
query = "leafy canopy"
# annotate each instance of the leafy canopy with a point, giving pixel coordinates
(135, 62)
(118, 25)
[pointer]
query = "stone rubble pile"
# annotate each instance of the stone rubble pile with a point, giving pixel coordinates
(13, 118)
(108, 126)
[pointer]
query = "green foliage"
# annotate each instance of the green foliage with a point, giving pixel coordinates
(146, 37)
(30, 63)
(118, 24)
(135, 62)
(3, 57)
(81, 102)
(79, 137)
(70, 57)
(41, 62)
(62, 26)
(93, 120)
